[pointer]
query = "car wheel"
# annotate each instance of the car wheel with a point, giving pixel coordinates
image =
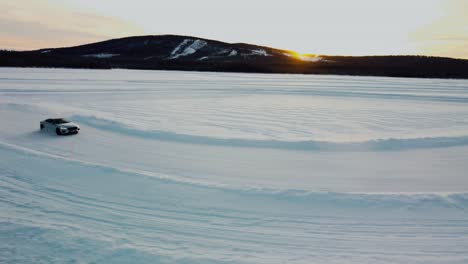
(42, 126)
(57, 130)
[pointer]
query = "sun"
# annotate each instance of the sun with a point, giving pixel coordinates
(303, 57)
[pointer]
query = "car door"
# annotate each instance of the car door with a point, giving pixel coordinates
(49, 126)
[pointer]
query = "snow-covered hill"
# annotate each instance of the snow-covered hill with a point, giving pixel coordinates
(171, 47)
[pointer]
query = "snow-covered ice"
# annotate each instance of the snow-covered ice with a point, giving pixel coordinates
(187, 167)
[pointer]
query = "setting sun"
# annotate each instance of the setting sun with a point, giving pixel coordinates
(304, 57)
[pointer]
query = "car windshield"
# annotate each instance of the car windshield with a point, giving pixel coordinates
(59, 121)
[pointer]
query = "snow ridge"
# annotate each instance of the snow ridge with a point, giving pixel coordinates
(385, 144)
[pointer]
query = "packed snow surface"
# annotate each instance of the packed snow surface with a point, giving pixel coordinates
(186, 167)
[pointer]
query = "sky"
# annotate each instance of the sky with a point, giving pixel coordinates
(333, 27)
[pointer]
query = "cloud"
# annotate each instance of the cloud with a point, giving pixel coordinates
(28, 35)
(38, 24)
(448, 35)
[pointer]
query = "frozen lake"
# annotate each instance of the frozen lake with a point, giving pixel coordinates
(188, 167)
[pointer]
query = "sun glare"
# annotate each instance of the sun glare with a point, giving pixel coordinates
(304, 57)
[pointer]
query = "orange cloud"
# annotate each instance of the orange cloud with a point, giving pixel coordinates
(39, 24)
(448, 35)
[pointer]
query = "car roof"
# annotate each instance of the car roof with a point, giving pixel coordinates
(54, 120)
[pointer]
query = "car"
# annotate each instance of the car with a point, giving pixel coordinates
(60, 126)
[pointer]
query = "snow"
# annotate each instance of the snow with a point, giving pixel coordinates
(310, 58)
(187, 167)
(101, 55)
(255, 52)
(259, 52)
(194, 46)
(223, 52)
(182, 44)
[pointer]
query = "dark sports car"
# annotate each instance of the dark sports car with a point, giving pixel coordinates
(60, 126)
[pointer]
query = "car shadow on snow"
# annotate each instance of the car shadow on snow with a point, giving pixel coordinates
(45, 134)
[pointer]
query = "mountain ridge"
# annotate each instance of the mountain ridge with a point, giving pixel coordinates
(189, 53)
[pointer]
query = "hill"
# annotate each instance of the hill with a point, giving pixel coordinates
(171, 52)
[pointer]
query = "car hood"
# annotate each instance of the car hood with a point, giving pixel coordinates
(67, 125)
